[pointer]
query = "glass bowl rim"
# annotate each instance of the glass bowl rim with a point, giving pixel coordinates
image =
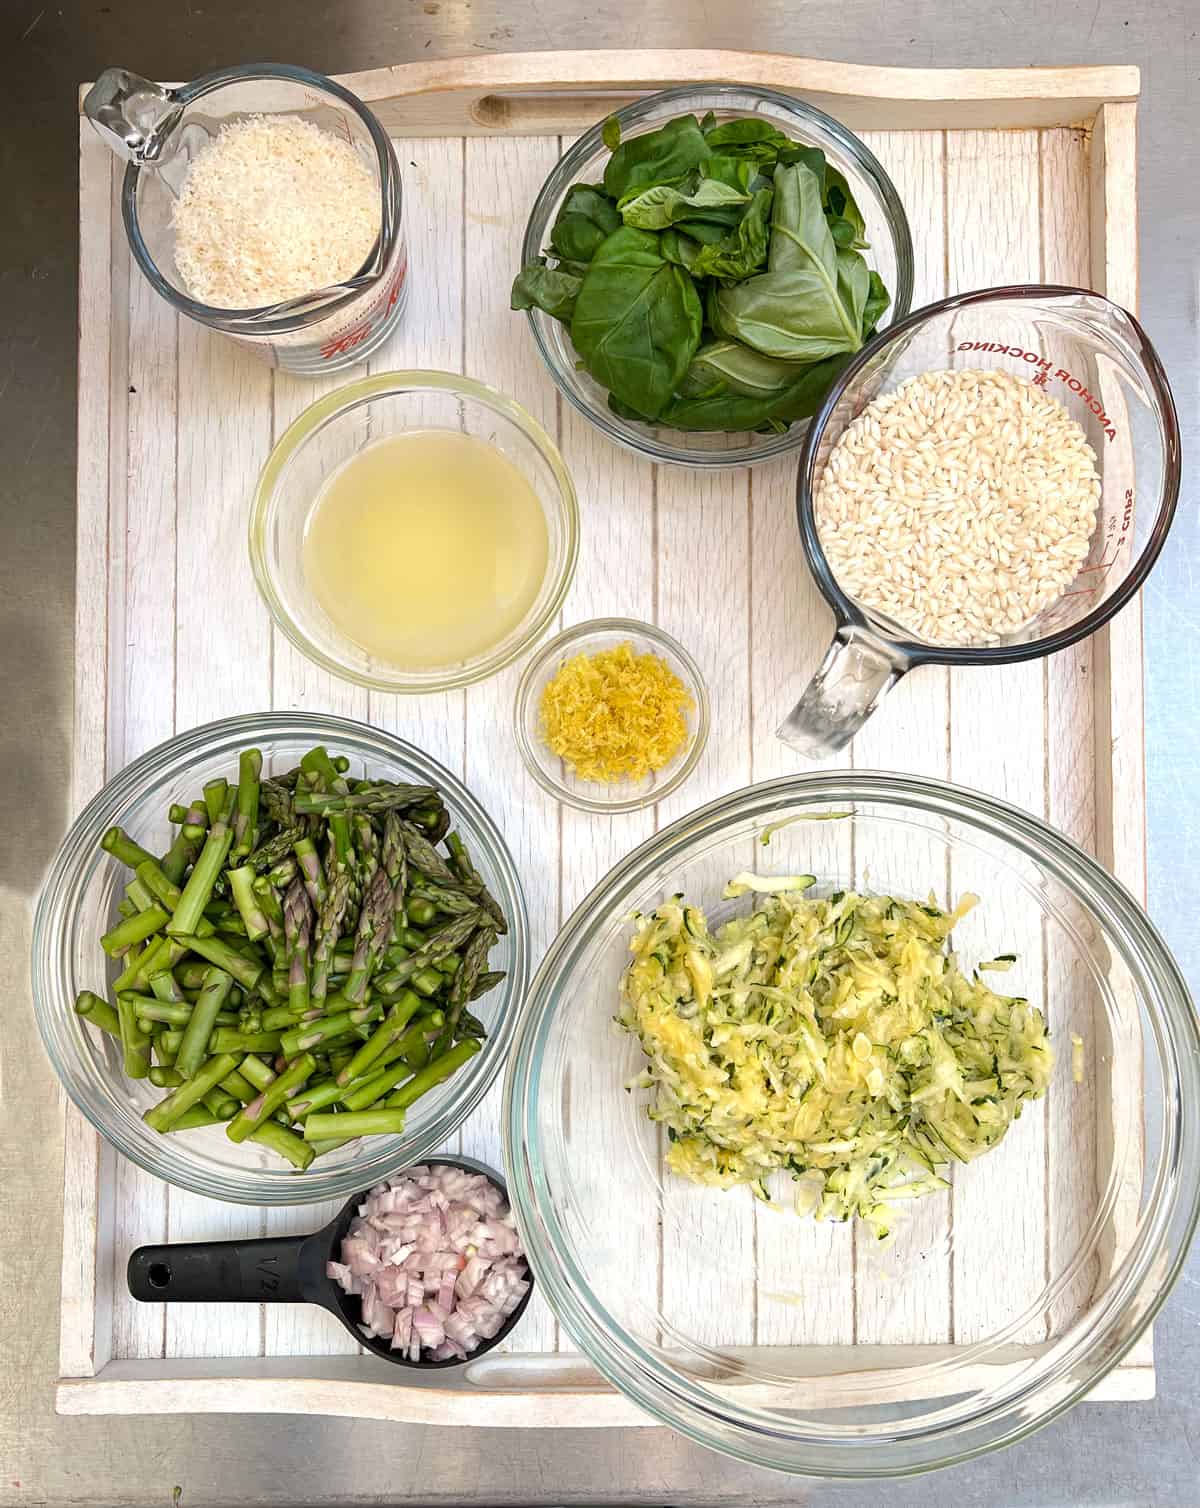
(566, 171)
(54, 1017)
(1087, 1351)
(575, 635)
(381, 385)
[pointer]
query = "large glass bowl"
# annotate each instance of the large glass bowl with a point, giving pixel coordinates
(806, 1347)
(324, 438)
(78, 902)
(891, 255)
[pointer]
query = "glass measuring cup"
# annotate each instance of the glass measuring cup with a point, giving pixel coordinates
(159, 131)
(1092, 356)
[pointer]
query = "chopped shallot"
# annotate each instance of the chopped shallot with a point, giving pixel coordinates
(437, 1260)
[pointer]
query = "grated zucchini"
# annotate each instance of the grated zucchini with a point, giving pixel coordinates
(835, 1038)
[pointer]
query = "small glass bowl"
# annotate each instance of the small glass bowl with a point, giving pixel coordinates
(891, 255)
(335, 428)
(78, 903)
(554, 774)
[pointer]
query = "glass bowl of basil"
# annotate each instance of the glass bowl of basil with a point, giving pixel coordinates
(699, 267)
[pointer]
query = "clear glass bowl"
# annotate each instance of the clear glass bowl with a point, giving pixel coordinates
(324, 437)
(891, 255)
(555, 775)
(804, 1346)
(78, 902)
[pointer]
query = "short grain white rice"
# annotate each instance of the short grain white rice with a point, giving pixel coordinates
(961, 504)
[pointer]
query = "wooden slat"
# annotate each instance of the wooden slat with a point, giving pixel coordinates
(224, 438)
(529, 1389)
(616, 497)
(502, 178)
(1121, 789)
(142, 696)
(1072, 1107)
(805, 1270)
(85, 1333)
(300, 1329)
(1119, 734)
(997, 744)
(704, 601)
(904, 1295)
(429, 337)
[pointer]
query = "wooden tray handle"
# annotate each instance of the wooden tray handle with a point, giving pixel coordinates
(545, 93)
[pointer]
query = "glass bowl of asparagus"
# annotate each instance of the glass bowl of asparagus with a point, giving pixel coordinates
(279, 957)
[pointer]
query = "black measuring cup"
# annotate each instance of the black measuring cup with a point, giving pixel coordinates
(287, 1270)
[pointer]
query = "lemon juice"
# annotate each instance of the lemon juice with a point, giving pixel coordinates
(426, 548)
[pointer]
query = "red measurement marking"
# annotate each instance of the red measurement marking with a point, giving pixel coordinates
(345, 342)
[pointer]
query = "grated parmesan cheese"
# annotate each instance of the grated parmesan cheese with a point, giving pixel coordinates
(615, 715)
(271, 209)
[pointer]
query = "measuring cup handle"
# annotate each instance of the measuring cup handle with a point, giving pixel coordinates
(262, 1271)
(856, 673)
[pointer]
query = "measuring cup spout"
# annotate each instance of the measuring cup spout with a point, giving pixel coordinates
(134, 116)
(856, 673)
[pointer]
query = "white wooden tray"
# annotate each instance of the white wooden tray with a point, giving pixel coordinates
(1009, 176)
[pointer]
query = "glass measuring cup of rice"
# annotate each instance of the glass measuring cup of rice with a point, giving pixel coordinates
(862, 504)
(262, 130)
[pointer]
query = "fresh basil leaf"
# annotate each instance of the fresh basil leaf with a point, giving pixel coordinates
(678, 247)
(658, 207)
(729, 364)
(854, 285)
(791, 315)
(735, 171)
(742, 130)
(707, 232)
(799, 230)
(878, 299)
(798, 310)
(584, 218)
(840, 204)
(721, 408)
(713, 281)
(812, 158)
(637, 319)
(627, 411)
(540, 287)
(742, 251)
(744, 133)
(663, 156)
(845, 219)
(804, 396)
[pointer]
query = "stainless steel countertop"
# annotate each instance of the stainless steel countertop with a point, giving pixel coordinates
(1108, 1454)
